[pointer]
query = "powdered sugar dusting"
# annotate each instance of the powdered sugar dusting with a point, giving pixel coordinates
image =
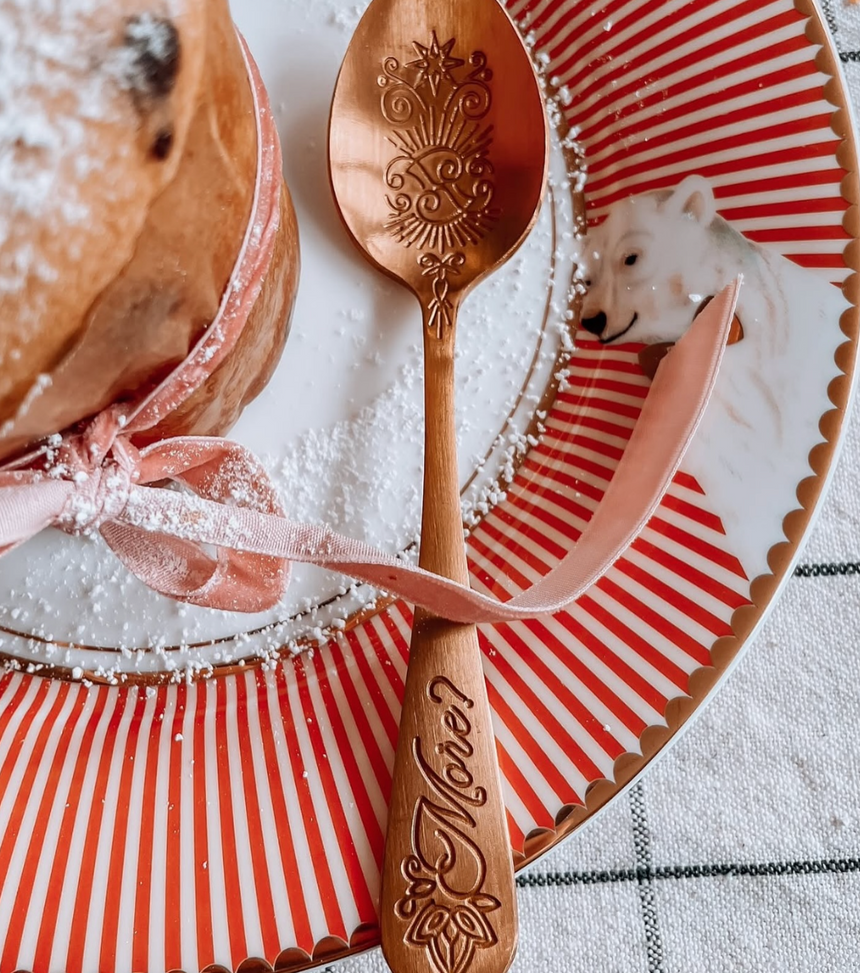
(369, 463)
(151, 34)
(48, 97)
(61, 94)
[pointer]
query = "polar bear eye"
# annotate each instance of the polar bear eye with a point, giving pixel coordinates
(631, 259)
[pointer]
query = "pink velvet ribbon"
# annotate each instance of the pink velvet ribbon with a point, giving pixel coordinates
(96, 480)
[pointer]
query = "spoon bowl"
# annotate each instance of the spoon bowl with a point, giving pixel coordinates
(438, 139)
(438, 151)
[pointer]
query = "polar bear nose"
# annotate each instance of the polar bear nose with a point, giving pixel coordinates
(596, 325)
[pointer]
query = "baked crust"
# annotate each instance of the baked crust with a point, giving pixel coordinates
(160, 253)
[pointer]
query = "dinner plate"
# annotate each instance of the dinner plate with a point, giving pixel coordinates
(178, 790)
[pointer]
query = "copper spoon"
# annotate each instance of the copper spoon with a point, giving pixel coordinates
(438, 153)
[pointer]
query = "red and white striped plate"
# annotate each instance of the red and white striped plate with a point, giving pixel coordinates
(238, 822)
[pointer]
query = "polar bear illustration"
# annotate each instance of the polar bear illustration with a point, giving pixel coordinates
(649, 268)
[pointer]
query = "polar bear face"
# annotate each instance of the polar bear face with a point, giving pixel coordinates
(651, 264)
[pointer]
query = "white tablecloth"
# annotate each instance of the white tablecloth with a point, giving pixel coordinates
(740, 850)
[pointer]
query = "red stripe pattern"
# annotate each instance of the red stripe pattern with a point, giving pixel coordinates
(173, 828)
(195, 824)
(726, 90)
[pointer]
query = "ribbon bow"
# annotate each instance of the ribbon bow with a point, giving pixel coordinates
(99, 481)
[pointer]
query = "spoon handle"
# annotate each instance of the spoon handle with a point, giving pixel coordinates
(448, 891)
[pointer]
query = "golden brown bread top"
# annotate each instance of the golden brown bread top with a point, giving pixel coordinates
(122, 206)
(76, 183)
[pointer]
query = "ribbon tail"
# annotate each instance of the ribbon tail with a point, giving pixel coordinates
(257, 545)
(28, 506)
(670, 417)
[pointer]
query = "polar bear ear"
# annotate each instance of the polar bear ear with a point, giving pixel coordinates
(694, 198)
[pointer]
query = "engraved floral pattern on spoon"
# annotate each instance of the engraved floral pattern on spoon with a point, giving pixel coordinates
(445, 903)
(440, 183)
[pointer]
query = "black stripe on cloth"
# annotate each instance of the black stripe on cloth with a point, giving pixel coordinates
(827, 8)
(827, 570)
(829, 866)
(647, 902)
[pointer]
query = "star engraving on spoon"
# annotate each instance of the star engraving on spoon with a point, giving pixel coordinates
(435, 63)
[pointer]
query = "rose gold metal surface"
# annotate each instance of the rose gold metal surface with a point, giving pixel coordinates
(438, 153)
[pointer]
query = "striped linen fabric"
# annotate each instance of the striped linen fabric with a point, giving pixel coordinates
(740, 849)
